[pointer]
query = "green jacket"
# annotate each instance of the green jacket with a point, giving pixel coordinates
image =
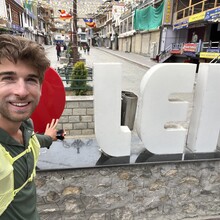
(23, 207)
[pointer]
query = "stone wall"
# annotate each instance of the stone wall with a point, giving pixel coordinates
(78, 116)
(168, 191)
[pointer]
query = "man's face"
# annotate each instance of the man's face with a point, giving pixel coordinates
(20, 91)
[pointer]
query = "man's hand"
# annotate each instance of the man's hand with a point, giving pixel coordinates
(51, 129)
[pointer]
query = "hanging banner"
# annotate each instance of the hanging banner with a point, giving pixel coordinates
(89, 22)
(64, 15)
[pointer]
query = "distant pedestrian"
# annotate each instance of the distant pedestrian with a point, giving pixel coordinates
(58, 49)
(84, 49)
(64, 46)
(81, 46)
(88, 49)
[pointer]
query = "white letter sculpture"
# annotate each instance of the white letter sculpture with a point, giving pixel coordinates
(155, 110)
(205, 119)
(113, 139)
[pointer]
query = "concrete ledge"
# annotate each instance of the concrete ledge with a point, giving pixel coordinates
(79, 98)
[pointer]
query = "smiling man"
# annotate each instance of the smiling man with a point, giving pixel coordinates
(22, 67)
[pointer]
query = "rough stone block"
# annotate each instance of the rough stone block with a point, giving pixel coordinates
(74, 119)
(79, 111)
(75, 132)
(63, 119)
(72, 105)
(91, 125)
(87, 131)
(90, 111)
(86, 104)
(68, 126)
(67, 112)
(81, 126)
(86, 118)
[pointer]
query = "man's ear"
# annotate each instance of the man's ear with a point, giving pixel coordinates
(41, 89)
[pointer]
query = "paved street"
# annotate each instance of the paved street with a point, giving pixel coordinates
(133, 66)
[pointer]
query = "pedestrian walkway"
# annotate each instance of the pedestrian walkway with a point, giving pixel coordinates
(132, 57)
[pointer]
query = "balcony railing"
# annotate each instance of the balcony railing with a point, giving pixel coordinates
(195, 48)
(198, 7)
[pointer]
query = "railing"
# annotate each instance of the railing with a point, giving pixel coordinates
(216, 59)
(167, 52)
(210, 45)
(66, 72)
(164, 54)
(78, 87)
(196, 8)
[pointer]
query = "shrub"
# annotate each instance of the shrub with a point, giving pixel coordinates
(79, 77)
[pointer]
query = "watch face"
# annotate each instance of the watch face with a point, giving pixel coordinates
(52, 101)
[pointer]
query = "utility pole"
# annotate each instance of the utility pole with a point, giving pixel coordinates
(74, 34)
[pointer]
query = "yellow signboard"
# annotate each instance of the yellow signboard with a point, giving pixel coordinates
(208, 55)
(168, 9)
(197, 17)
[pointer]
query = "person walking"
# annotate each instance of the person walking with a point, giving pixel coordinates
(88, 49)
(84, 48)
(22, 67)
(58, 49)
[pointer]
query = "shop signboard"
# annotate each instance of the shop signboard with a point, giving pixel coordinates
(208, 55)
(190, 47)
(168, 9)
(213, 50)
(176, 51)
(212, 14)
(197, 17)
(180, 24)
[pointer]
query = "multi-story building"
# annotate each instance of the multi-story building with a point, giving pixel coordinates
(142, 27)
(202, 18)
(27, 19)
(161, 29)
(3, 18)
(14, 15)
(103, 23)
(43, 24)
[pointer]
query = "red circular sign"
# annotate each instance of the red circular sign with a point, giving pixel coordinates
(52, 101)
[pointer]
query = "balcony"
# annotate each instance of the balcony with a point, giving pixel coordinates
(196, 8)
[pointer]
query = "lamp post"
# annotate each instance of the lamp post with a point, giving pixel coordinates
(74, 34)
